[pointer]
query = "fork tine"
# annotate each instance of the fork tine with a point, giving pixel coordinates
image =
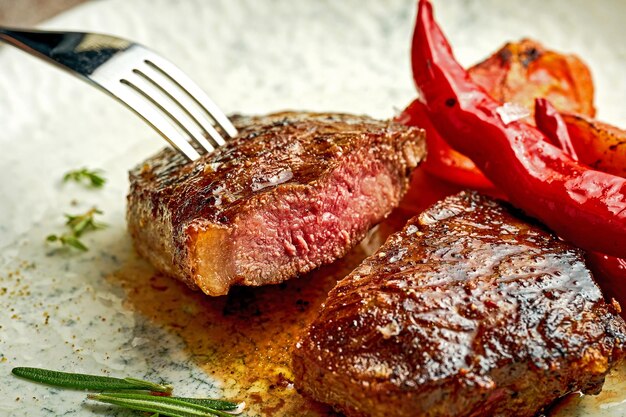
(154, 118)
(179, 77)
(180, 96)
(167, 106)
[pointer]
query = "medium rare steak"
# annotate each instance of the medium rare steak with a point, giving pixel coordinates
(468, 311)
(293, 191)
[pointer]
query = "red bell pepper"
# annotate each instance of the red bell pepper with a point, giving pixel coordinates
(442, 161)
(552, 125)
(584, 206)
(598, 144)
(608, 269)
(610, 273)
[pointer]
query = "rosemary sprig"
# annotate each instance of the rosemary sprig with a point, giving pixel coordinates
(87, 382)
(169, 406)
(126, 392)
(78, 224)
(93, 178)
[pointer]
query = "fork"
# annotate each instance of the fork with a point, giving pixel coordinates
(151, 86)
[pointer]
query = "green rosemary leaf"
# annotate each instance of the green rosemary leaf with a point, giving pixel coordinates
(211, 403)
(92, 178)
(147, 385)
(87, 382)
(170, 406)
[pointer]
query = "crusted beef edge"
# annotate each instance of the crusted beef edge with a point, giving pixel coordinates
(212, 258)
(533, 388)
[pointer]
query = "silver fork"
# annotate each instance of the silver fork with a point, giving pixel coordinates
(151, 86)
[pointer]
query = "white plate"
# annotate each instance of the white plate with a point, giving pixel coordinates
(65, 311)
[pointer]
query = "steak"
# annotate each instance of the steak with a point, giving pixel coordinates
(291, 192)
(468, 311)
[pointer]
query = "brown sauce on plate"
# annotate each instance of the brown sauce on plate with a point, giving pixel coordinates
(245, 339)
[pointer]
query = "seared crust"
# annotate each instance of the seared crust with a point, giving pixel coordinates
(468, 311)
(291, 192)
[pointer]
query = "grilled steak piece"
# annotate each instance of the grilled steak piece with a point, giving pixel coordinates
(293, 191)
(468, 311)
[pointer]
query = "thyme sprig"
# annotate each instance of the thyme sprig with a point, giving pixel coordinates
(67, 239)
(133, 394)
(92, 178)
(78, 224)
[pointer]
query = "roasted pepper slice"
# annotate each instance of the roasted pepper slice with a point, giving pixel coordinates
(584, 206)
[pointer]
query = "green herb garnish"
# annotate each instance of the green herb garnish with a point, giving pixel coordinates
(123, 392)
(169, 406)
(68, 240)
(78, 224)
(92, 178)
(81, 223)
(87, 382)
(211, 403)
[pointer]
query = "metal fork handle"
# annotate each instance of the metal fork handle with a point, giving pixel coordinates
(83, 54)
(66, 50)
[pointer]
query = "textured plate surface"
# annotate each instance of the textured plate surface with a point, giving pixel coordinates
(105, 311)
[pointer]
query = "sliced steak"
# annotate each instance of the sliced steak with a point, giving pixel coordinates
(293, 191)
(468, 311)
